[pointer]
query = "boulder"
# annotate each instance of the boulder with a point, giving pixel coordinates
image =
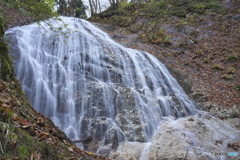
(194, 137)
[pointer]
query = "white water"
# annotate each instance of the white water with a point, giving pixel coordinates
(90, 85)
(144, 154)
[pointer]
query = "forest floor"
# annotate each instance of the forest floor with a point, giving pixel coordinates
(202, 51)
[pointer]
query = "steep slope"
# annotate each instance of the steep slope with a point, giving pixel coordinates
(198, 41)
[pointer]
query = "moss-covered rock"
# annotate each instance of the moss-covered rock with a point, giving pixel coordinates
(6, 67)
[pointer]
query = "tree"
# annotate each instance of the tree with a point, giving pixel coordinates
(95, 6)
(71, 8)
(38, 9)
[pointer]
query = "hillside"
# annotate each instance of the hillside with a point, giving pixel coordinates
(199, 41)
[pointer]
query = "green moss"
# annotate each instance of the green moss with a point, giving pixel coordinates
(237, 87)
(23, 152)
(6, 113)
(1, 28)
(32, 144)
(156, 36)
(227, 76)
(122, 21)
(18, 142)
(216, 66)
(231, 70)
(168, 8)
(201, 7)
(123, 5)
(6, 67)
(232, 57)
(8, 139)
(206, 60)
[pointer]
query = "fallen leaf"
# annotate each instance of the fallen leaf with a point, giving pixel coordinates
(70, 149)
(26, 126)
(90, 153)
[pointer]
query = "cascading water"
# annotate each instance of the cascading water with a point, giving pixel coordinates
(89, 85)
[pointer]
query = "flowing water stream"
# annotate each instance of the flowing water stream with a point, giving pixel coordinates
(90, 86)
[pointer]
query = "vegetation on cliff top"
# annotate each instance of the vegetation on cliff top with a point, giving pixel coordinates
(30, 10)
(160, 9)
(22, 12)
(156, 12)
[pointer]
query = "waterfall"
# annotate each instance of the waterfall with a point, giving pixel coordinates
(89, 85)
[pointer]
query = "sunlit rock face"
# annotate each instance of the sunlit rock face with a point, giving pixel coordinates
(89, 85)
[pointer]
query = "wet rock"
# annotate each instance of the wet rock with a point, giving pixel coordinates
(123, 124)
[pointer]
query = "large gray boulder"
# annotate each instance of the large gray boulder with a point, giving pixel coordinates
(192, 137)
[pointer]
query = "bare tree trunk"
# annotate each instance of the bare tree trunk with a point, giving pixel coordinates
(99, 7)
(71, 7)
(91, 7)
(94, 6)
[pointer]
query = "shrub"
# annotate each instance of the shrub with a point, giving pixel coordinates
(37, 9)
(121, 21)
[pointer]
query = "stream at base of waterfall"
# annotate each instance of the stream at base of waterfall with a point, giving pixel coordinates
(90, 86)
